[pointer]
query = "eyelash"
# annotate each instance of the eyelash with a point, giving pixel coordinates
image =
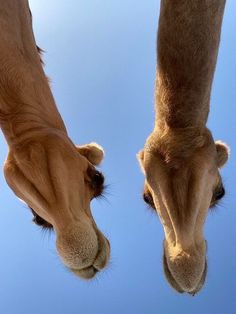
(149, 200)
(41, 223)
(215, 200)
(96, 183)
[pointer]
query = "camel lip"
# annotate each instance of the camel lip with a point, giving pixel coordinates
(90, 271)
(175, 285)
(85, 273)
(201, 282)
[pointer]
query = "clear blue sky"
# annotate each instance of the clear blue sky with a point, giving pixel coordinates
(100, 56)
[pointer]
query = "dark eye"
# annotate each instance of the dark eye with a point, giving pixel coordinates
(147, 197)
(96, 181)
(217, 195)
(40, 221)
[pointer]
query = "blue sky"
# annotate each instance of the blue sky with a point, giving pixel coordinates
(101, 58)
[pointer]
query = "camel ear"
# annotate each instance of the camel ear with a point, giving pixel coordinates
(93, 152)
(222, 153)
(140, 157)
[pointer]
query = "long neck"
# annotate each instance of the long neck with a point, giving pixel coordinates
(26, 101)
(187, 47)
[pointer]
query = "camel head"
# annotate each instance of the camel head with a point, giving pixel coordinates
(182, 181)
(58, 180)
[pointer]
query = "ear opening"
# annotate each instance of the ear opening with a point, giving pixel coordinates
(93, 152)
(223, 152)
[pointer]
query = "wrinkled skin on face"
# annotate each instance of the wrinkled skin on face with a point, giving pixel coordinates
(58, 180)
(181, 185)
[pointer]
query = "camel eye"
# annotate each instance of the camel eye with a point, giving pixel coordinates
(219, 193)
(96, 181)
(147, 197)
(40, 221)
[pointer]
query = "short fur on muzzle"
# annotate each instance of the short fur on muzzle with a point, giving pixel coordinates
(185, 270)
(83, 249)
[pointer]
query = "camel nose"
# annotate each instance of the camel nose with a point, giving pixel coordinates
(77, 245)
(103, 255)
(99, 263)
(185, 269)
(83, 249)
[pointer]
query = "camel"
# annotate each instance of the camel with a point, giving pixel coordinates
(180, 159)
(44, 168)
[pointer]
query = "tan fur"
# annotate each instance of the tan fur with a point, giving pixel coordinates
(180, 159)
(44, 168)
(93, 152)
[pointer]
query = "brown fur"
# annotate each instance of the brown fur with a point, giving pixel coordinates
(44, 168)
(188, 39)
(180, 159)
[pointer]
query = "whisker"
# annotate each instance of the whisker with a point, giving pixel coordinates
(218, 205)
(104, 195)
(150, 208)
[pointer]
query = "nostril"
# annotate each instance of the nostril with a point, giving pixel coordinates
(95, 270)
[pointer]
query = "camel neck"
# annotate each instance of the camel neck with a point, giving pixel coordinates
(27, 105)
(26, 101)
(187, 48)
